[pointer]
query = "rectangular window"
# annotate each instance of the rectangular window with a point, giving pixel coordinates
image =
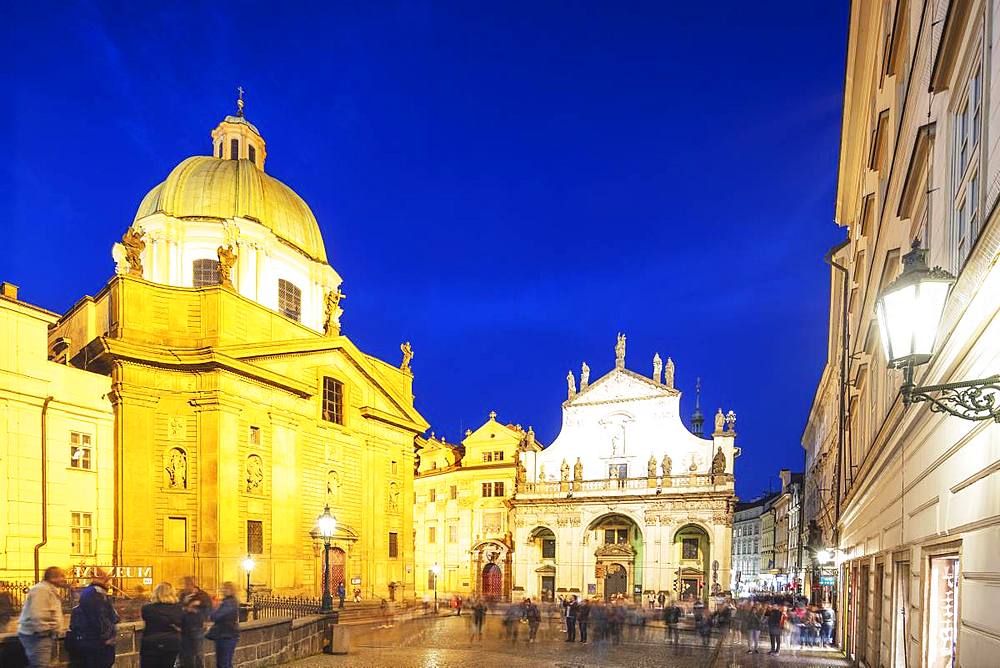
(255, 537)
(80, 454)
(487, 456)
(432, 495)
(289, 299)
(453, 533)
(254, 435)
(234, 149)
(548, 548)
(498, 455)
(432, 535)
(393, 545)
(252, 154)
(204, 272)
(394, 467)
(175, 534)
(942, 612)
(453, 492)
(968, 128)
(498, 489)
(487, 489)
(81, 533)
(333, 400)
(220, 150)
(615, 536)
(689, 548)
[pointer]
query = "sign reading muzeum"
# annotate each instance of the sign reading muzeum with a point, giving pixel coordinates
(626, 500)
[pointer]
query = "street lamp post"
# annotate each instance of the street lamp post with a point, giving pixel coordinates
(909, 314)
(248, 565)
(326, 524)
(435, 570)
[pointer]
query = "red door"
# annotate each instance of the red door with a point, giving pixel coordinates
(338, 568)
(492, 581)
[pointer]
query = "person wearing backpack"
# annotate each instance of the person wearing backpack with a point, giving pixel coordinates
(93, 626)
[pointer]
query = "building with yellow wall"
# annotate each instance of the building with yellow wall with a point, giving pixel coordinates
(56, 426)
(239, 408)
(461, 514)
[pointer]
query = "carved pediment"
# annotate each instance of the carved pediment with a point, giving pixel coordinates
(615, 550)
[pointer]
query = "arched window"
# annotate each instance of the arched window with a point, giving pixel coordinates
(234, 149)
(289, 299)
(220, 150)
(205, 272)
(252, 154)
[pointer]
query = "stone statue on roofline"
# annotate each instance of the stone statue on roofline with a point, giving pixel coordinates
(227, 260)
(666, 466)
(584, 377)
(134, 245)
(407, 351)
(731, 421)
(651, 467)
(720, 421)
(657, 369)
(564, 471)
(578, 470)
(620, 351)
(668, 373)
(570, 384)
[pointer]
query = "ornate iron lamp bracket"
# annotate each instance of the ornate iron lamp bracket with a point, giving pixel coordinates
(969, 400)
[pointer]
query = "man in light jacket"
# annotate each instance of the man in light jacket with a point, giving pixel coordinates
(42, 618)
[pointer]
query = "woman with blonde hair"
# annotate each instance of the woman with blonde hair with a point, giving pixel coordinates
(225, 629)
(161, 638)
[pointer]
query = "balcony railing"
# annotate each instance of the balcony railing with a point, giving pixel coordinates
(628, 485)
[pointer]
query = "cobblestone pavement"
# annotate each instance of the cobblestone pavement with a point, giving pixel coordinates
(446, 643)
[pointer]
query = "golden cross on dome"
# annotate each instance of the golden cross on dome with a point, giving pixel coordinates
(239, 101)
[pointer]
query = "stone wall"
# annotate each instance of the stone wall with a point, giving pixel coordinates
(265, 642)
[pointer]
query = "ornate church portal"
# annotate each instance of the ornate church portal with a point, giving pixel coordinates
(626, 501)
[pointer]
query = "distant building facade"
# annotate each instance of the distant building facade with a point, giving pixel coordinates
(747, 546)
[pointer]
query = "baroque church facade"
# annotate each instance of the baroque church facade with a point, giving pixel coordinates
(237, 410)
(626, 501)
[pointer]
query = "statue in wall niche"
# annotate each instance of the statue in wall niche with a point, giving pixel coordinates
(718, 463)
(393, 497)
(571, 384)
(255, 474)
(668, 373)
(564, 471)
(731, 420)
(578, 470)
(407, 351)
(227, 260)
(651, 467)
(332, 311)
(720, 421)
(176, 469)
(134, 245)
(657, 368)
(666, 466)
(620, 351)
(584, 377)
(332, 487)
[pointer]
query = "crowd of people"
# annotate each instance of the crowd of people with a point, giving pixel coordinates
(174, 632)
(786, 620)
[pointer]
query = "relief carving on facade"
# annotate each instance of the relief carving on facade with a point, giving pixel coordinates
(176, 468)
(176, 428)
(255, 475)
(393, 497)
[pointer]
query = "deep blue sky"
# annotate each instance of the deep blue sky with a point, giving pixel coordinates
(506, 185)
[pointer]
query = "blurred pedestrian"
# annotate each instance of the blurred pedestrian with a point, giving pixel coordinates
(161, 637)
(478, 619)
(583, 618)
(533, 616)
(41, 618)
(341, 593)
(225, 631)
(196, 605)
(571, 609)
(775, 627)
(672, 617)
(93, 625)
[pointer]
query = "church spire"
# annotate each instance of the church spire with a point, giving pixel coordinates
(697, 418)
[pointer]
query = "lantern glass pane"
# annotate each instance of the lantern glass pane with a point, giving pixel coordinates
(900, 314)
(929, 307)
(327, 525)
(883, 332)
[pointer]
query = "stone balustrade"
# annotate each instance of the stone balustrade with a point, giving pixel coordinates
(628, 486)
(264, 642)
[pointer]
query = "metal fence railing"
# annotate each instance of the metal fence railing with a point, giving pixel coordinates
(264, 606)
(13, 593)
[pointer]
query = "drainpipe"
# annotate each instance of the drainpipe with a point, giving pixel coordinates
(45, 490)
(842, 418)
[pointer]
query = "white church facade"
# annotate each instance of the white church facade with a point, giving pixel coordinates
(626, 501)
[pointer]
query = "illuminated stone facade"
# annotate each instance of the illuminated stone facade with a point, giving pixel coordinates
(918, 527)
(239, 409)
(462, 511)
(632, 501)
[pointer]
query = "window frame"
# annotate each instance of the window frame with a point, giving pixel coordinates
(967, 134)
(251, 543)
(333, 393)
(393, 547)
(199, 277)
(78, 529)
(287, 290)
(83, 442)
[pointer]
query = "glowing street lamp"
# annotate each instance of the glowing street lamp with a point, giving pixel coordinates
(909, 313)
(248, 565)
(435, 571)
(326, 525)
